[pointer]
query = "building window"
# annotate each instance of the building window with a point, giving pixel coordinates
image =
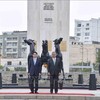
(14, 50)
(87, 24)
(9, 38)
(9, 49)
(14, 44)
(9, 63)
(86, 37)
(78, 25)
(14, 55)
(1, 39)
(78, 29)
(20, 63)
(87, 34)
(78, 34)
(9, 44)
(0, 44)
(87, 28)
(14, 38)
(9, 55)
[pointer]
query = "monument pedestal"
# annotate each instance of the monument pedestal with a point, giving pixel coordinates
(49, 20)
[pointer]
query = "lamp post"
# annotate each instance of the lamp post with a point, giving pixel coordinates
(80, 76)
(82, 54)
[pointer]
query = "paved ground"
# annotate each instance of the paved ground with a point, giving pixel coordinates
(65, 94)
(76, 92)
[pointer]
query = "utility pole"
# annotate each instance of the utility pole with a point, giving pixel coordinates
(87, 57)
(0, 55)
(82, 55)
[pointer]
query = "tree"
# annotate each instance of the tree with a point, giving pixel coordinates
(96, 65)
(20, 69)
(1, 67)
(98, 57)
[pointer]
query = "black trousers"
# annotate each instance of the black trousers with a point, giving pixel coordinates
(53, 83)
(33, 83)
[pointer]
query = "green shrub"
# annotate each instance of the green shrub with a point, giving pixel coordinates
(20, 69)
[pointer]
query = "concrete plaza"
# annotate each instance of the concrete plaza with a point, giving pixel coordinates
(64, 94)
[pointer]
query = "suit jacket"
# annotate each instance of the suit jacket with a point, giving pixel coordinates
(54, 69)
(34, 69)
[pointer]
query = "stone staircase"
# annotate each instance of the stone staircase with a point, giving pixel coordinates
(45, 97)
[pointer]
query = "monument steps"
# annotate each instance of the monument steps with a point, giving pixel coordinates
(44, 96)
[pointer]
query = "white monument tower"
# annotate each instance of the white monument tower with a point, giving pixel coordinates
(49, 20)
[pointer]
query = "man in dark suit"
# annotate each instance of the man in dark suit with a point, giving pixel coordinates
(34, 70)
(54, 70)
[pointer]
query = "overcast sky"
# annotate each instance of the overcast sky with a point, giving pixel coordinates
(13, 13)
(83, 10)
